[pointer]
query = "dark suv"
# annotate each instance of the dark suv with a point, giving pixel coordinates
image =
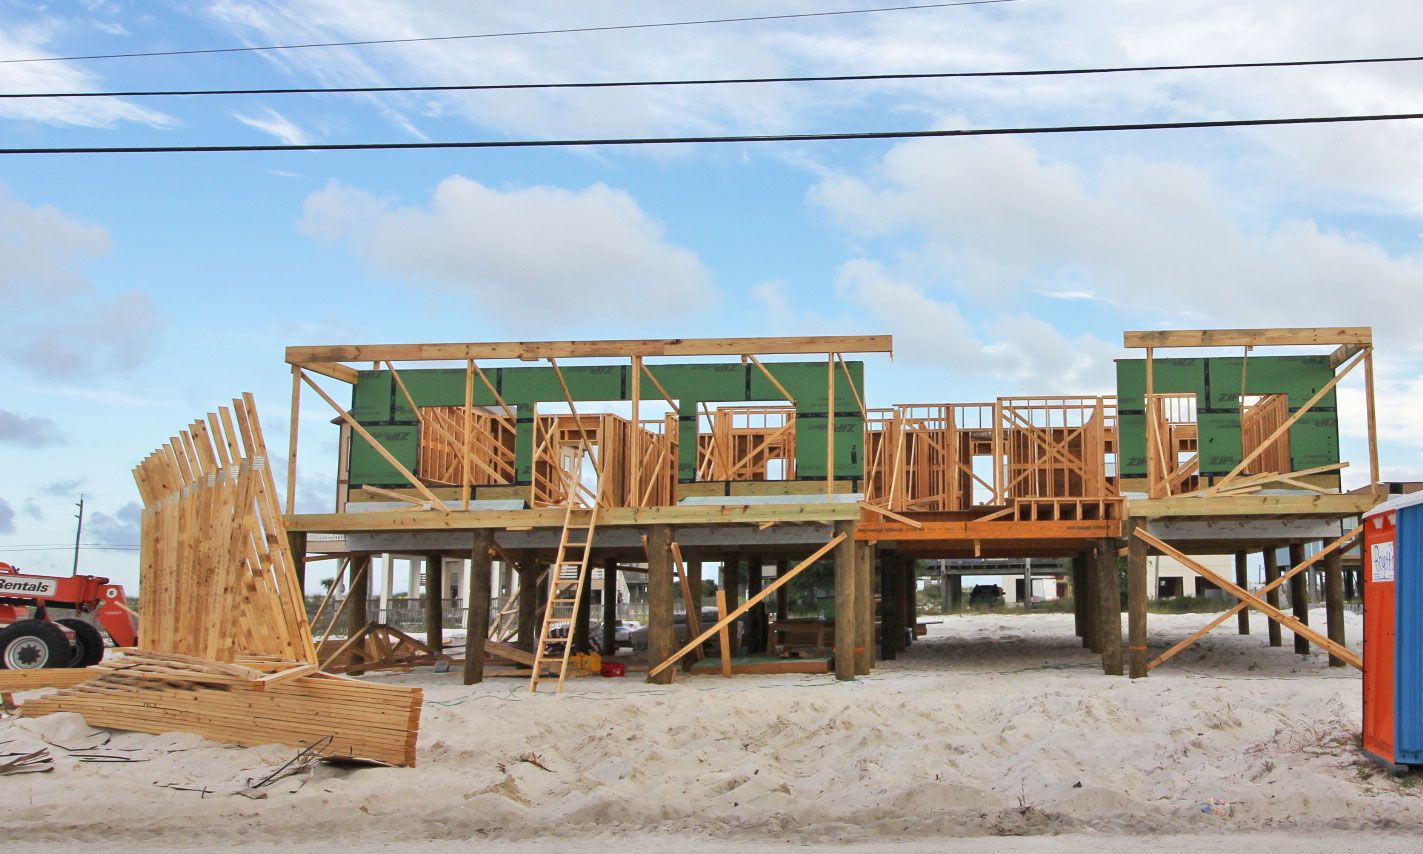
(986, 594)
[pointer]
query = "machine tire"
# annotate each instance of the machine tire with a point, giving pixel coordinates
(33, 644)
(88, 643)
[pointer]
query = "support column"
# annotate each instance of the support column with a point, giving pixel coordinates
(864, 608)
(1299, 596)
(731, 582)
(1334, 601)
(783, 593)
(888, 573)
(1350, 586)
(610, 607)
(1136, 604)
(1027, 584)
(1092, 603)
(911, 600)
(756, 630)
(1079, 603)
(583, 617)
(1272, 572)
(661, 633)
(1242, 580)
(434, 601)
(956, 592)
(845, 611)
(296, 542)
(529, 588)
(477, 629)
(1109, 606)
(694, 583)
(359, 593)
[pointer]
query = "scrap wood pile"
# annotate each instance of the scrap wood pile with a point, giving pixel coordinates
(225, 649)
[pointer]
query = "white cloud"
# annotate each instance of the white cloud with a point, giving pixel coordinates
(29, 40)
(271, 122)
(59, 324)
(1021, 350)
(533, 258)
(1155, 237)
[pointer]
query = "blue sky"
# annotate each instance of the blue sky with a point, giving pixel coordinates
(141, 291)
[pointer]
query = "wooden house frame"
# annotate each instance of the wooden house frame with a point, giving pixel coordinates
(757, 460)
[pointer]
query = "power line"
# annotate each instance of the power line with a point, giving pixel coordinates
(560, 31)
(694, 140)
(716, 81)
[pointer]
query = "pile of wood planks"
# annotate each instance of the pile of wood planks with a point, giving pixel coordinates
(241, 704)
(225, 648)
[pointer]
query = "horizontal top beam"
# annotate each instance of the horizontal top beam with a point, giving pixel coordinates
(1249, 337)
(535, 350)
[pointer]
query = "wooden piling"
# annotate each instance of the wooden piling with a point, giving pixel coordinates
(583, 617)
(756, 629)
(1272, 572)
(358, 595)
(864, 608)
(296, 541)
(1109, 604)
(888, 571)
(434, 601)
(477, 630)
(1299, 596)
(1079, 601)
(661, 632)
(1334, 601)
(731, 582)
(1092, 600)
(610, 606)
(1136, 604)
(845, 610)
(529, 600)
(955, 592)
(1242, 580)
(783, 593)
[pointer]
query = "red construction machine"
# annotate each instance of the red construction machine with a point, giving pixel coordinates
(30, 640)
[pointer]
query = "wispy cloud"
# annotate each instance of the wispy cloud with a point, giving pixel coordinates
(272, 122)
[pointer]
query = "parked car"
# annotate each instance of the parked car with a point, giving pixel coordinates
(986, 594)
(637, 638)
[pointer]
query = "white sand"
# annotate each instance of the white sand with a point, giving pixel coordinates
(991, 726)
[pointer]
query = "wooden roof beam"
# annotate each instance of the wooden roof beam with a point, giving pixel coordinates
(1361, 335)
(529, 351)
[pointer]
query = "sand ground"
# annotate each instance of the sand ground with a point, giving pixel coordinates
(995, 731)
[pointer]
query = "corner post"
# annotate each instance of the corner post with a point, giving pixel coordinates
(1109, 604)
(1334, 600)
(661, 634)
(865, 608)
(1136, 603)
(845, 612)
(358, 594)
(610, 607)
(477, 628)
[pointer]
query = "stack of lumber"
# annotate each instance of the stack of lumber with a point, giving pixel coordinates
(295, 705)
(225, 650)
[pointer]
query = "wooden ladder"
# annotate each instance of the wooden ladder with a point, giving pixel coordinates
(567, 575)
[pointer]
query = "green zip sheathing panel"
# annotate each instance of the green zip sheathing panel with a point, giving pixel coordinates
(380, 407)
(1217, 385)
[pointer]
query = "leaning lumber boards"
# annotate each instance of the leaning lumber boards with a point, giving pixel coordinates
(143, 694)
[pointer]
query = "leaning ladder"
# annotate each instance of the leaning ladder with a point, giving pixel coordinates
(567, 575)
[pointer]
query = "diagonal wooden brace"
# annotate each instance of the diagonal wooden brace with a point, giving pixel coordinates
(1288, 621)
(1242, 605)
(727, 620)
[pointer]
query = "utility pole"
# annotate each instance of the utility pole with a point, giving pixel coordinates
(78, 529)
